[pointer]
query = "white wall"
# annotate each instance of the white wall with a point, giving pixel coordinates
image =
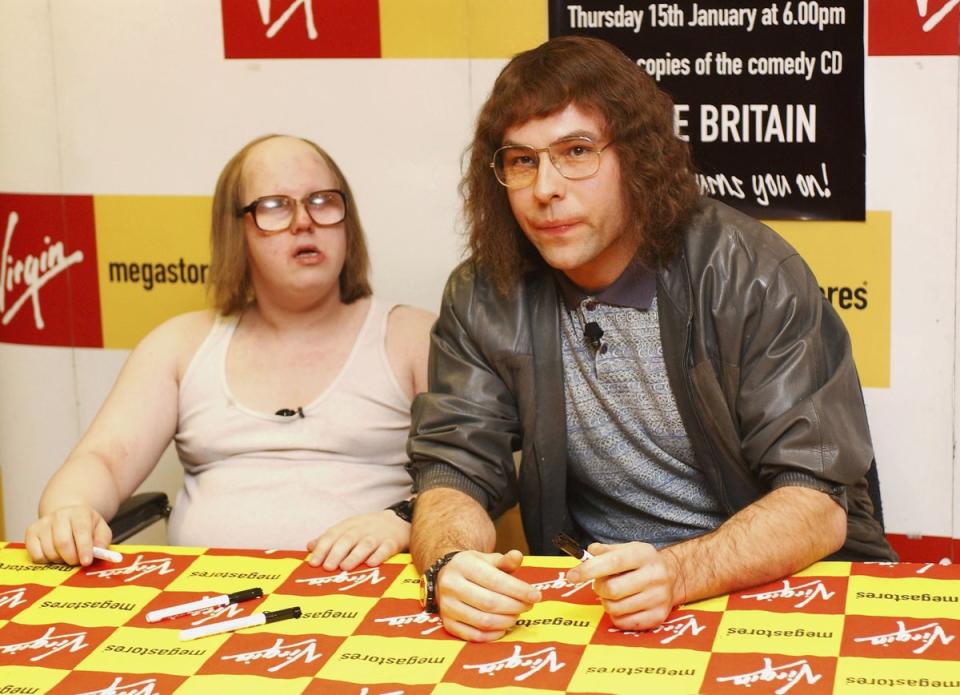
(912, 125)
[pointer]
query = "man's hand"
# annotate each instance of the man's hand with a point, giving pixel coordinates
(369, 538)
(67, 535)
(637, 584)
(477, 597)
(479, 600)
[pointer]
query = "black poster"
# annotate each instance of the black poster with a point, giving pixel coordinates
(769, 94)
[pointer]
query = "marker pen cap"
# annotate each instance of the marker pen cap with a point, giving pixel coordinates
(245, 595)
(282, 614)
(107, 554)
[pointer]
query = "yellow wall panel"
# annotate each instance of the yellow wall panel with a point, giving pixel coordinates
(460, 28)
(152, 261)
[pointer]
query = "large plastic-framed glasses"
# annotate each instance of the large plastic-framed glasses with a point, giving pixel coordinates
(275, 213)
(516, 166)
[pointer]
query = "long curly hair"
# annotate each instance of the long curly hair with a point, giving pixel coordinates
(657, 176)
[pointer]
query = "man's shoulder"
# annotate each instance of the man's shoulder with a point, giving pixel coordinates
(498, 322)
(718, 231)
(468, 283)
(464, 275)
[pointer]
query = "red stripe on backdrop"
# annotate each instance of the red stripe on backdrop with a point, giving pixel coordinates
(913, 27)
(913, 548)
(301, 29)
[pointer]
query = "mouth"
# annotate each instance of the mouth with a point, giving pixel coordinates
(555, 226)
(307, 251)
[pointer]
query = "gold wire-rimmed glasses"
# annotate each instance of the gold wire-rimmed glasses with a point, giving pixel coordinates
(578, 157)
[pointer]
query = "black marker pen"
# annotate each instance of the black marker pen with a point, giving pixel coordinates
(210, 602)
(240, 623)
(565, 543)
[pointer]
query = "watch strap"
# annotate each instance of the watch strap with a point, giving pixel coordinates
(430, 582)
(404, 509)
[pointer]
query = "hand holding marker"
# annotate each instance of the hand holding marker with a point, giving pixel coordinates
(565, 543)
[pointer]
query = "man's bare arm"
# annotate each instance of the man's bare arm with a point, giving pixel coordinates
(446, 519)
(786, 530)
(478, 598)
(779, 534)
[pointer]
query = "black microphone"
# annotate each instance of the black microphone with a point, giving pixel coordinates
(286, 412)
(593, 333)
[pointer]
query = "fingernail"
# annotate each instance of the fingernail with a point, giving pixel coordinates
(533, 596)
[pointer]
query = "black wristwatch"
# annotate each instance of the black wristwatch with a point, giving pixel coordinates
(428, 583)
(403, 509)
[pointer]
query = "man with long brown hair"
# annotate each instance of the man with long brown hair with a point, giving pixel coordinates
(678, 387)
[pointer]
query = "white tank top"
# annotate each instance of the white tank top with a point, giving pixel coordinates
(260, 480)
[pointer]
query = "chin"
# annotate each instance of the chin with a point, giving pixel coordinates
(561, 262)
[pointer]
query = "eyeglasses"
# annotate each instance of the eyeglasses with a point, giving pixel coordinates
(275, 213)
(516, 166)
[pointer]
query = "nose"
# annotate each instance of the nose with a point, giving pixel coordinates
(301, 219)
(549, 183)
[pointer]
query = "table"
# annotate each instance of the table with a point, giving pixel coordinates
(836, 627)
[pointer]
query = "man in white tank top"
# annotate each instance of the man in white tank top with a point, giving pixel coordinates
(289, 404)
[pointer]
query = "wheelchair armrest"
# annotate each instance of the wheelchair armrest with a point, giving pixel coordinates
(138, 512)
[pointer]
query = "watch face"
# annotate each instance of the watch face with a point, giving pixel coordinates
(423, 591)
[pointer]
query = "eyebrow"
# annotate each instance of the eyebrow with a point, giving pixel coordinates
(589, 135)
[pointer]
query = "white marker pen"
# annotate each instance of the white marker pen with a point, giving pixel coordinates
(240, 623)
(108, 555)
(198, 605)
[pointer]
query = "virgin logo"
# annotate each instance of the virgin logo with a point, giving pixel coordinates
(938, 16)
(280, 652)
(922, 27)
(673, 628)
(232, 610)
(12, 597)
(29, 273)
(139, 568)
(48, 643)
(561, 583)
(118, 687)
(679, 626)
(792, 673)
(805, 592)
(266, 16)
(301, 28)
(525, 664)
(351, 580)
(927, 635)
(926, 567)
(414, 618)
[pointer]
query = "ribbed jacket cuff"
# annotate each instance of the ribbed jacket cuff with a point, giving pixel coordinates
(801, 479)
(443, 475)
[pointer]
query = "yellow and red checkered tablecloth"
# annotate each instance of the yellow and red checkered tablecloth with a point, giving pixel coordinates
(834, 628)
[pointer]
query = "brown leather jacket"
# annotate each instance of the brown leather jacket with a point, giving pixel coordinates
(759, 362)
